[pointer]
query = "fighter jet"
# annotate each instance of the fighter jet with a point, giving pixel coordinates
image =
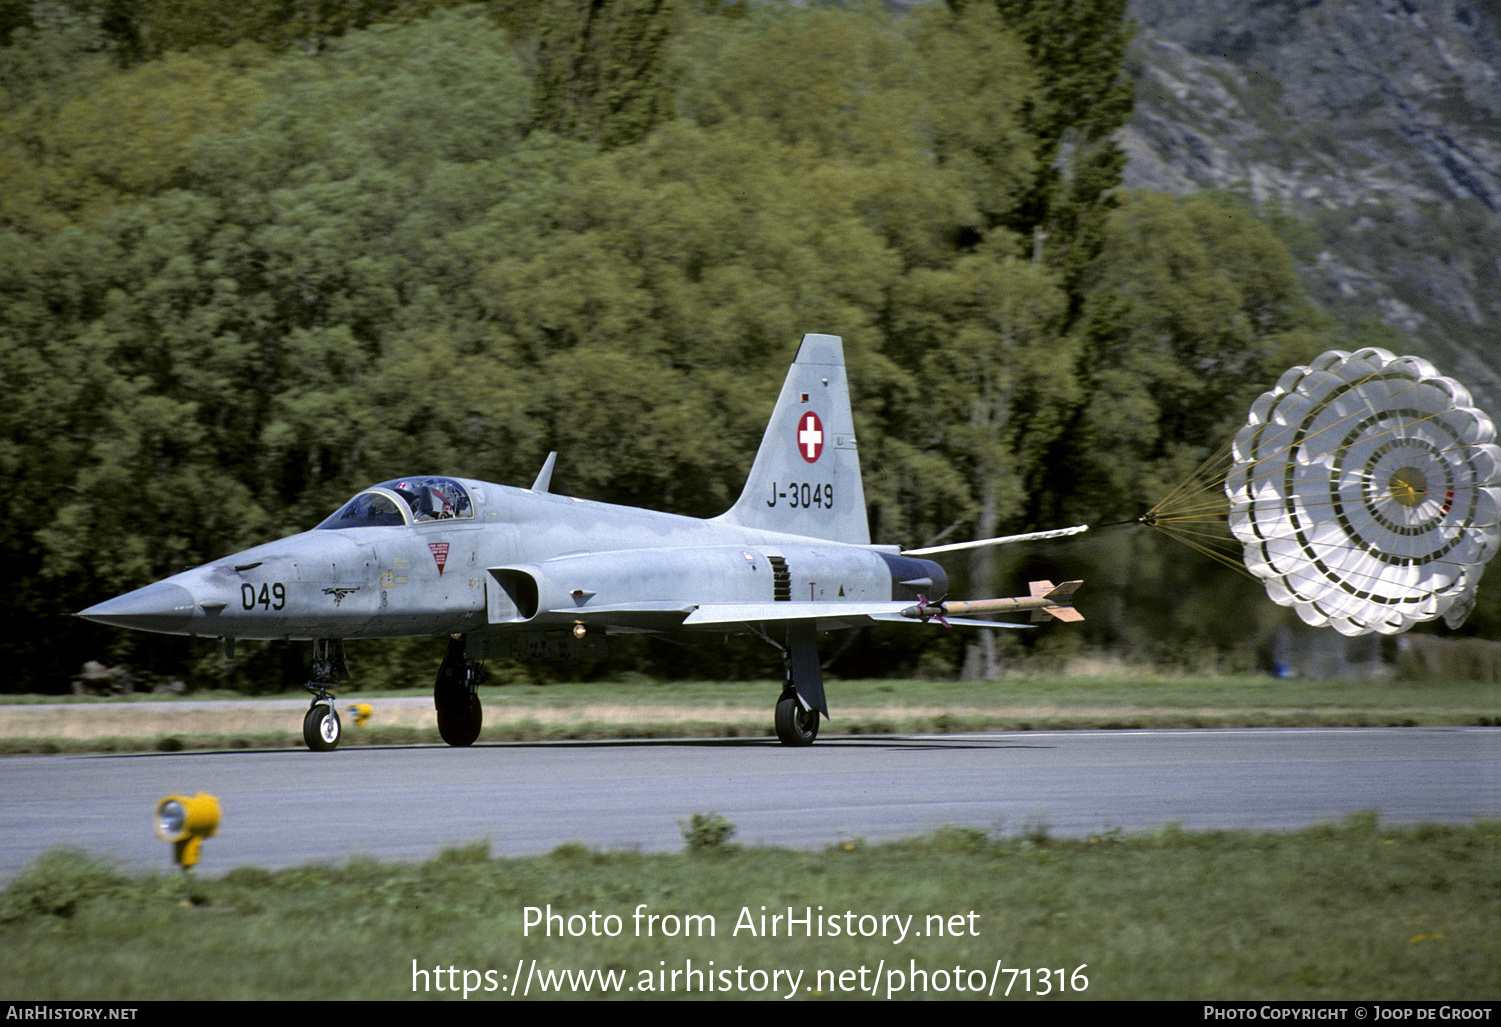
(506, 572)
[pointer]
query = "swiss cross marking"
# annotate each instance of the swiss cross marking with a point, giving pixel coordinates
(810, 436)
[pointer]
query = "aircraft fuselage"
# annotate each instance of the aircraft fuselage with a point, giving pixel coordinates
(524, 559)
(507, 572)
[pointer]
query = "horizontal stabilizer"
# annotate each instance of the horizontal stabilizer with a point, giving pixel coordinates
(1031, 536)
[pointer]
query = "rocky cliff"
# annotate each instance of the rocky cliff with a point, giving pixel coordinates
(1372, 130)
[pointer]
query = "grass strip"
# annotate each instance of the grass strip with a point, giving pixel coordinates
(1337, 912)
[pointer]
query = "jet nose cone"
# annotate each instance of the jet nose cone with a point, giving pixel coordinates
(160, 607)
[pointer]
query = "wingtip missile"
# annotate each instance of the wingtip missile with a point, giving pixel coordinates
(1046, 600)
(1060, 599)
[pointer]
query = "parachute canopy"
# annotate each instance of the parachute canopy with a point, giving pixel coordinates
(1365, 490)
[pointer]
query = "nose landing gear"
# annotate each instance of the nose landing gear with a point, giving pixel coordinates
(320, 726)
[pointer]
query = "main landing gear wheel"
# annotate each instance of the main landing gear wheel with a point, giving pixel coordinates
(460, 715)
(460, 719)
(320, 728)
(795, 725)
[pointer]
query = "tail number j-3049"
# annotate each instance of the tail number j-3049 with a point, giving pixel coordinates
(803, 495)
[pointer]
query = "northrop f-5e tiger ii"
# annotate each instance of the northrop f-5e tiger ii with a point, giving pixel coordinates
(507, 572)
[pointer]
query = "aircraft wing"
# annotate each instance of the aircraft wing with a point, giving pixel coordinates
(961, 622)
(1047, 600)
(647, 616)
(673, 615)
(836, 614)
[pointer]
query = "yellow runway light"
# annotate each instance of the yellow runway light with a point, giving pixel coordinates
(185, 821)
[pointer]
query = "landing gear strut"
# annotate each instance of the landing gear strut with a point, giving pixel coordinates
(801, 701)
(456, 696)
(320, 727)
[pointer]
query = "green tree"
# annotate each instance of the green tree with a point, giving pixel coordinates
(1194, 308)
(230, 357)
(701, 256)
(601, 71)
(969, 379)
(1078, 48)
(999, 386)
(116, 138)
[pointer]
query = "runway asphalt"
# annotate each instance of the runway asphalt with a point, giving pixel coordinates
(287, 807)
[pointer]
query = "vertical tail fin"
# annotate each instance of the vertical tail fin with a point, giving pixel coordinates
(806, 478)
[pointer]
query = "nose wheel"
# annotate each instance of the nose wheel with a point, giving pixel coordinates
(320, 727)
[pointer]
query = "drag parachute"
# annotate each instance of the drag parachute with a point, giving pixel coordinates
(1364, 491)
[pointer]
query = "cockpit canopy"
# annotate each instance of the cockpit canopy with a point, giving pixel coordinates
(404, 501)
